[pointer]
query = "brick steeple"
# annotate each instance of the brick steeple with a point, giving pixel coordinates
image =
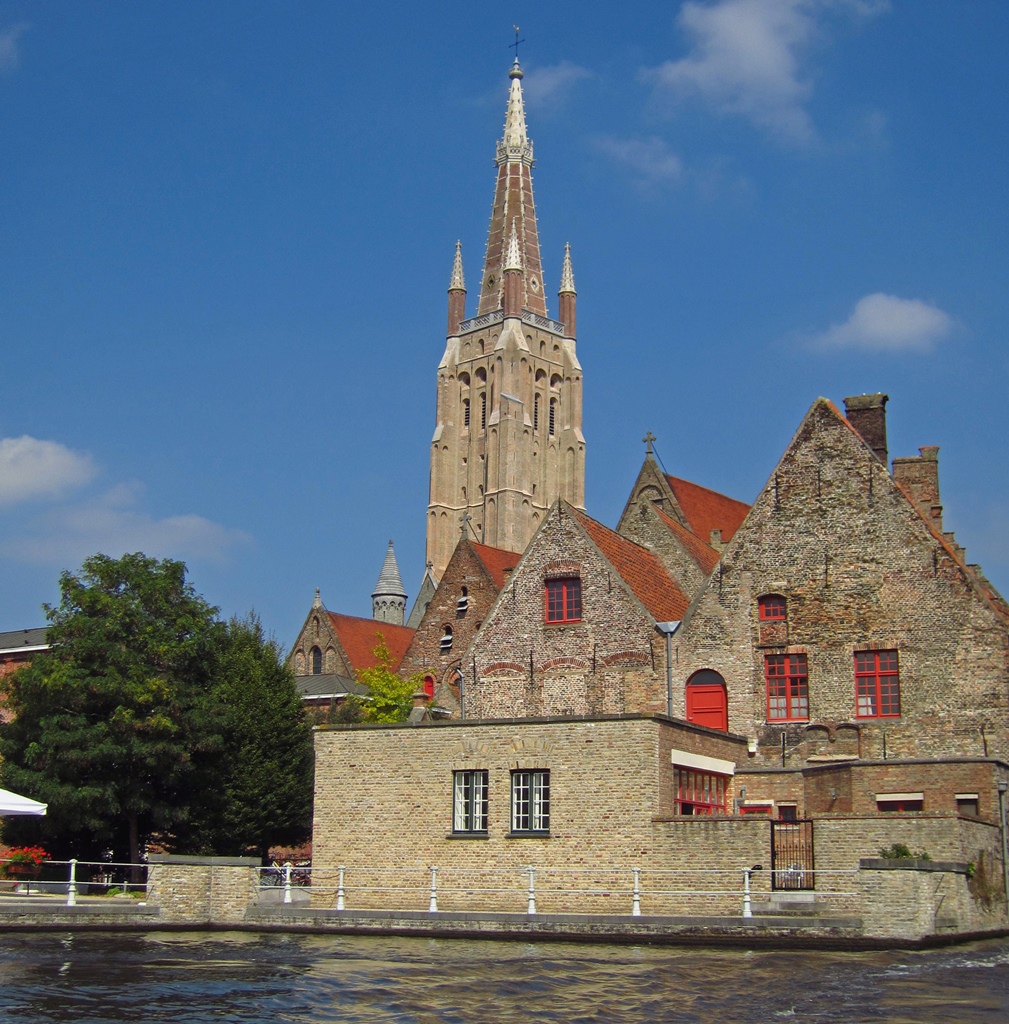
(456, 294)
(513, 211)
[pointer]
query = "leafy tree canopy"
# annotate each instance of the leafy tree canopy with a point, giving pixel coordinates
(135, 723)
(389, 697)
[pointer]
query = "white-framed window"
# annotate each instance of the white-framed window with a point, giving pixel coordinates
(530, 801)
(469, 801)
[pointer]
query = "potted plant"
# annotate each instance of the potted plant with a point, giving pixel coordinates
(25, 862)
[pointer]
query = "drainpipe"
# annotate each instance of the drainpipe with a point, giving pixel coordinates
(1002, 787)
(462, 697)
(669, 628)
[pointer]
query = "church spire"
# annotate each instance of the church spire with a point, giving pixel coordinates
(514, 211)
(456, 294)
(388, 601)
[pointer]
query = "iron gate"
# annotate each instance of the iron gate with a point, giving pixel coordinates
(792, 855)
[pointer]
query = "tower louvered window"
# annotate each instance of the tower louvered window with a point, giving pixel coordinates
(536, 413)
(483, 410)
(465, 412)
(553, 416)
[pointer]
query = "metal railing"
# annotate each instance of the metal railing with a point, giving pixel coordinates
(636, 890)
(79, 877)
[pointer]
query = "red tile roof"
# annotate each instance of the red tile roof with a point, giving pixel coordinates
(640, 568)
(703, 554)
(359, 637)
(707, 510)
(495, 561)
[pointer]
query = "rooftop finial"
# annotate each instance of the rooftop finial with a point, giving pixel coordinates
(567, 273)
(648, 439)
(457, 283)
(317, 603)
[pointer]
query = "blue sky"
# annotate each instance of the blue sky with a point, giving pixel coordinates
(228, 227)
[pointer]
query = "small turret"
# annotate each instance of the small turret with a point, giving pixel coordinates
(388, 601)
(456, 294)
(566, 296)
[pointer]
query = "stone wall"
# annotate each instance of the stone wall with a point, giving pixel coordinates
(202, 890)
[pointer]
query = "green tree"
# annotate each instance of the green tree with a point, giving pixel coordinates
(389, 697)
(111, 725)
(150, 717)
(259, 792)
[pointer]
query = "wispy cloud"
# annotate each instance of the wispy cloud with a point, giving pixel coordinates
(552, 84)
(115, 523)
(650, 160)
(747, 58)
(886, 323)
(30, 468)
(9, 56)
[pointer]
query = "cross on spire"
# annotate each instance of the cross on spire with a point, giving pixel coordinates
(648, 439)
(515, 46)
(464, 520)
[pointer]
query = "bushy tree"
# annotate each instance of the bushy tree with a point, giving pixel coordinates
(389, 697)
(260, 792)
(110, 725)
(150, 717)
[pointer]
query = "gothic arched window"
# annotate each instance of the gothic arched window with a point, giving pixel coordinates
(316, 661)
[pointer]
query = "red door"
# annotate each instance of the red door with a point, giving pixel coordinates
(707, 704)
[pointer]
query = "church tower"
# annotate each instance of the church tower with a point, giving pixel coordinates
(508, 437)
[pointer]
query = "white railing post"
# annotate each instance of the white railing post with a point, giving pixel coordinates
(636, 899)
(287, 882)
(432, 905)
(747, 909)
(340, 894)
(531, 908)
(72, 887)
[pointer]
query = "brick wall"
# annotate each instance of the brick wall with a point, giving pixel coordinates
(860, 569)
(196, 890)
(610, 662)
(383, 808)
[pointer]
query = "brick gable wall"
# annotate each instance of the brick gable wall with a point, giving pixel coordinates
(609, 662)
(860, 569)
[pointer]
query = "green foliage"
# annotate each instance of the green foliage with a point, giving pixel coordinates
(109, 726)
(390, 698)
(899, 851)
(149, 717)
(259, 789)
(350, 712)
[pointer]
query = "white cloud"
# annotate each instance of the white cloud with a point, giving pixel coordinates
(114, 524)
(886, 323)
(747, 57)
(651, 160)
(552, 84)
(30, 468)
(9, 56)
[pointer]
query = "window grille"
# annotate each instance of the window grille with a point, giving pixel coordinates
(877, 684)
(469, 801)
(564, 599)
(531, 801)
(787, 687)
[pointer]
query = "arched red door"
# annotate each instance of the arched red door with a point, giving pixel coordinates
(707, 700)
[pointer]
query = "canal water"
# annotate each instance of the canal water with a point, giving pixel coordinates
(233, 978)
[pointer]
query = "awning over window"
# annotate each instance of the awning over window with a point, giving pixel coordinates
(703, 763)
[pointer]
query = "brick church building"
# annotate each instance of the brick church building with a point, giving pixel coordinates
(825, 655)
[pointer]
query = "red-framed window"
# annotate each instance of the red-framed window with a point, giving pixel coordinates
(564, 599)
(877, 684)
(699, 792)
(787, 687)
(766, 809)
(772, 608)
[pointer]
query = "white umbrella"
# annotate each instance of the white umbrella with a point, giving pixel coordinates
(11, 803)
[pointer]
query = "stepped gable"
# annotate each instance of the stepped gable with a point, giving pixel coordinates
(359, 637)
(706, 510)
(640, 568)
(496, 561)
(705, 555)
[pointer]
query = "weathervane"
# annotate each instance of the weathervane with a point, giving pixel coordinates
(515, 46)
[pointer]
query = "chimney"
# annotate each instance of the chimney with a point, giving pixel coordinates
(919, 476)
(867, 414)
